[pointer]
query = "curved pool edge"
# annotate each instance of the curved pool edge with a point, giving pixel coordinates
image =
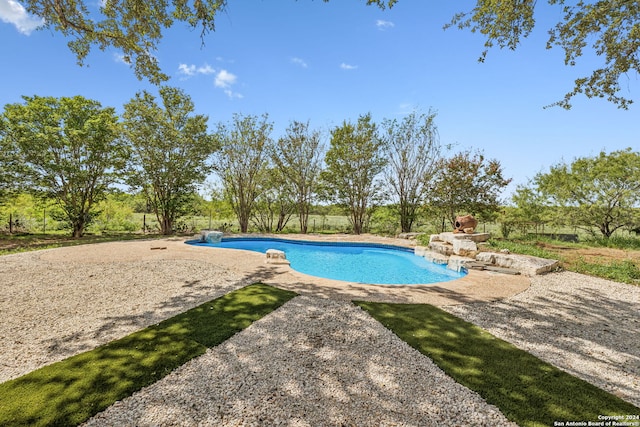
(476, 287)
(376, 245)
(312, 242)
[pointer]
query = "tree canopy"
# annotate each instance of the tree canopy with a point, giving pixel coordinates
(135, 27)
(9, 164)
(601, 192)
(412, 147)
(298, 157)
(170, 151)
(467, 183)
(242, 162)
(611, 29)
(68, 149)
(354, 161)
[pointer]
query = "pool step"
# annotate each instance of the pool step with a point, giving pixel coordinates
(275, 256)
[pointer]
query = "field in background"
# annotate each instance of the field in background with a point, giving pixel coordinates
(617, 258)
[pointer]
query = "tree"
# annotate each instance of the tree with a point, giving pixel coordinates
(242, 162)
(354, 161)
(9, 165)
(68, 148)
(531, 208)
(133, 27)
(467, 183)
(611, 28)
(170, 151)
(600, 192)
(275, 200)
(298, 156)
(413, 150)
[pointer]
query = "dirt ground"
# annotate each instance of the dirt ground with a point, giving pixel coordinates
(593, 255)
(24, 241)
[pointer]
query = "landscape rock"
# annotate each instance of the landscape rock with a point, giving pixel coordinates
(465, 247)
(525, 264)
(410, 236)
(450, 237)
(441, 247)
(276, 256)
(458, 263)
(420, 250)
(436, 257)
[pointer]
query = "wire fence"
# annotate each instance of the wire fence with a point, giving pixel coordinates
(42, 222)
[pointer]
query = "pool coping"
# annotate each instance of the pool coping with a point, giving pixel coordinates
(453, 274)
(475, 286)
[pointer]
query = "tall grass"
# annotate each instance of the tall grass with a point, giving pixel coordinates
(625, 271)
(617, 242)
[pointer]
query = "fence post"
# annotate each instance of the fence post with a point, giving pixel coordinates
(144, 223)
(44, 221)
(10, 223)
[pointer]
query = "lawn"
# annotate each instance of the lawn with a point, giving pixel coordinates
(527, 390)
(71, 391)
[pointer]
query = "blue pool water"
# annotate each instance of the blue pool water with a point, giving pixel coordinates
(351, 262)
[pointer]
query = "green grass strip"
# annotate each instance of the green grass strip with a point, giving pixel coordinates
(527, 390)
(71, 391)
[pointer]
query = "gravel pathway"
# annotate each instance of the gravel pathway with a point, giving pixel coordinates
(52, 310)
(316, 361)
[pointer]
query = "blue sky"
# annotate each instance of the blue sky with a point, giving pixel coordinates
(329, 62)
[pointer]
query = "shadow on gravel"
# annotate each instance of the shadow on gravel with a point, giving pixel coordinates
(527, 390)
(70, 391)
(377, 293)
(584, 330)
(347, 291)
(197, 292)
(317, 362)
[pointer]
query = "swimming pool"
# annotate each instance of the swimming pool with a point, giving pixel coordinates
(350, 262)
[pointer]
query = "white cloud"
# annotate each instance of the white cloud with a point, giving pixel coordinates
(14, 13)
(383, 25)
(348, 66)
(224, 80)
(300, 62)
(118, 57)
(187, 70)
(192, 70)
(205, 69)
